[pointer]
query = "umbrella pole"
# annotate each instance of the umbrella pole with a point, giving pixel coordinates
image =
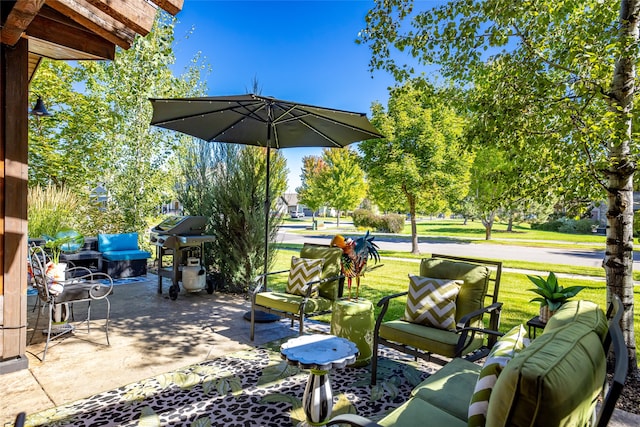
(261, 316)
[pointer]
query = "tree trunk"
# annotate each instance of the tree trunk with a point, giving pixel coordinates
(618, 261)
(338, 219)
(487, 221)
(414, 228)
(510, 225)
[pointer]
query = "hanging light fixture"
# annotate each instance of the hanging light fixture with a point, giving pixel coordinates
(39, 109)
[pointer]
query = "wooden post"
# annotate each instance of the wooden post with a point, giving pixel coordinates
(14, 86)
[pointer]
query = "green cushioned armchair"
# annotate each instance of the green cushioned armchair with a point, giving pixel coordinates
(478, 296)
(298, 307)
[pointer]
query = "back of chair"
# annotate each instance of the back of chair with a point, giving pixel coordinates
(331, 267)
(479, 281)
(38, 258)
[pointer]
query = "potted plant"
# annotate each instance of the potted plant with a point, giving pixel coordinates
(63, 241)
(551, 294)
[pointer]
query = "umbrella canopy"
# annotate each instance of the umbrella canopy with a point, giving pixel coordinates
(262, 121)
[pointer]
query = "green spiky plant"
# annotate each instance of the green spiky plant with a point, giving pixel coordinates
(550, 291)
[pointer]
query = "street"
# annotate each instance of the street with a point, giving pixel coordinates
(582, 257)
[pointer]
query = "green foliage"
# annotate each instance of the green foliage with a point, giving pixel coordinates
(390, 223)
(420, 166)
(551, 83)
(310, 192)
(226, 183)
(67, 241)
(567, 225)
(100, 131)
(51, 209)
(550, 291)
(394, 223)
(342, 182)
(364, 218)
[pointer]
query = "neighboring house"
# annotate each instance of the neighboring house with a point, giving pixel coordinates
(101, 196)
(292, 205)
(174, 207)
(288, 203)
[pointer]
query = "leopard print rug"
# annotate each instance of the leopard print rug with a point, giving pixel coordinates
(248, 388)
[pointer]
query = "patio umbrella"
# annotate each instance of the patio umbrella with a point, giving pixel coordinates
(262, 121)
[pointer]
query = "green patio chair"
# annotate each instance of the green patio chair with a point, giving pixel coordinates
(313, 298)
(465, 334)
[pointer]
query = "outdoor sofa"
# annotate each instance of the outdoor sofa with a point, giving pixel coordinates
(121, 256)
(556, 380)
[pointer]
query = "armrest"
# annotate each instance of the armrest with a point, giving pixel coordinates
(463, 328)
(260, 280)
(352, 420)
(465, 320)
(384, 303)
(94, 282)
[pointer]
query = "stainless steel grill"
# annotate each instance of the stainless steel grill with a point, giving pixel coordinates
(181, 237)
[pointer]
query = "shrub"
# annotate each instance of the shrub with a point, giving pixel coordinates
(51, 209)
(393, 223)
(390, 223)
(566, 225)
(363, 218)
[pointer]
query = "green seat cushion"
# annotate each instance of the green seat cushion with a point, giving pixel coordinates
(581, 311)
(555, 381)
(291, 303)
(330, 268)
(449, 389)
(419, 413)
(438, 341)
(475, 281)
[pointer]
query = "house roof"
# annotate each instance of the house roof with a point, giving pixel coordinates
(78, 29)
(291, 199)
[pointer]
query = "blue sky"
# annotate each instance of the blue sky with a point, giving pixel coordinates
(302, 51)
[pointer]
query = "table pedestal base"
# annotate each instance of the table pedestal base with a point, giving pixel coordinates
(317, 401)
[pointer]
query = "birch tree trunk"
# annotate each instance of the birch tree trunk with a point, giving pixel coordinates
(618, 262)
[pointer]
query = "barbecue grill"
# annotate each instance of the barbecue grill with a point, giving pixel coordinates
(182, 238)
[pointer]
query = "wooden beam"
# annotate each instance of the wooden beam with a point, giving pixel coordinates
(135, 14)
(95, 20)
(18, 20)
(13, 199)
(57, 33)
(171, 6)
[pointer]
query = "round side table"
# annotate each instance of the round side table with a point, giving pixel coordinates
(318, 353)
(353, 320)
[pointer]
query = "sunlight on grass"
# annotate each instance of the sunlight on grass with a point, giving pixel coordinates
(392, 278)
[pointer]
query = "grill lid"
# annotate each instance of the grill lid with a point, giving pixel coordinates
(182, 225)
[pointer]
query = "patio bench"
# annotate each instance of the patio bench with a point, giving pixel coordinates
(122, 256)
(555, 380)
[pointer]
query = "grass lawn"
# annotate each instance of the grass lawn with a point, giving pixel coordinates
(514, 287)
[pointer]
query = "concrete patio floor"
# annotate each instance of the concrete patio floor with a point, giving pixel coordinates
(150, 334)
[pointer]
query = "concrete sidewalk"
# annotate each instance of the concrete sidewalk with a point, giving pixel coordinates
(150, 334)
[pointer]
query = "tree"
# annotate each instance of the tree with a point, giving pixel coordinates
(563, 80)
(489, 182)
(226, 183)
(310, 192)
(419, 166)
(342, 182)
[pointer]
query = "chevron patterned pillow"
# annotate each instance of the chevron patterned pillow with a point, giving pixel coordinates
(303, 271)
(502, 352)
(432, 302)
